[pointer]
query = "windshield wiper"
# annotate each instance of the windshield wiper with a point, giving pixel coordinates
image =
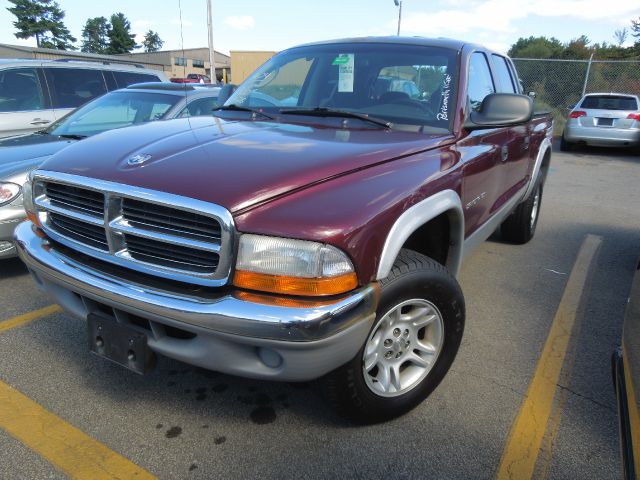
(72, 136)
(236, 108)
(330, 112)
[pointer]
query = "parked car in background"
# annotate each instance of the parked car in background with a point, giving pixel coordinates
(133, 105)
(192, 78)
(603, 120)
(626, 378)
(35, 93)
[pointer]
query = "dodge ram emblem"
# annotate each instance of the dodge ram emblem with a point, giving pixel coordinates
(138, 159)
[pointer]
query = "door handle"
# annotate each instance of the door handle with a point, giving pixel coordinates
(525, 146)
(39, 121)
(505, 153)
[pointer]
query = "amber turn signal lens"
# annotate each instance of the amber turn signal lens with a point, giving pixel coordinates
(311, 287)
(34, 218)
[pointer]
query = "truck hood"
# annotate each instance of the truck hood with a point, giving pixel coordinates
(234, 164)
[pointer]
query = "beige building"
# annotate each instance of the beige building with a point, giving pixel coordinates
(180, 63)
(243, 63)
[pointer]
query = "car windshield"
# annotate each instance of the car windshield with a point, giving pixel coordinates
(115, 110)
(410, 86)
(609, 102)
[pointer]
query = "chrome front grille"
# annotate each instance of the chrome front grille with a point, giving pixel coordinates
(163, 234)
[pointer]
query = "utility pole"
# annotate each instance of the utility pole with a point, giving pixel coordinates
(212, 55)
(399, 5)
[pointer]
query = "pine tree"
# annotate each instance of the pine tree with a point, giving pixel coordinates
(152, 41)
(42, 19)
(95, 35)
(120, 38)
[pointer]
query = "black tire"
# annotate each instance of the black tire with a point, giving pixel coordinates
(564, 145)
(520, 226)
(413, 278)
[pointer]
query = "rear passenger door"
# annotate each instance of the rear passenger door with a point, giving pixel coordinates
(24, 102)
(72, 87)
(515, 161)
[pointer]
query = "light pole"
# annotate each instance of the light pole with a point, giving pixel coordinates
(399, 5)
(212, 59)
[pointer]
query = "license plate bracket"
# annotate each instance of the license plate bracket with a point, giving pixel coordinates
(119, 343)
(605, 122)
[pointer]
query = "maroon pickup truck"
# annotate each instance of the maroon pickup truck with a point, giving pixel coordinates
(311, 229)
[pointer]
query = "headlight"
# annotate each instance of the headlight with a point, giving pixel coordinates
(292, 267)
(8, 192)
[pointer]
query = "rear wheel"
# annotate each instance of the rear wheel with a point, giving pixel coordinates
(410, 347)
(520, 226)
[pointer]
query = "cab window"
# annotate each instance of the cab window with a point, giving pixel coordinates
(480, 82)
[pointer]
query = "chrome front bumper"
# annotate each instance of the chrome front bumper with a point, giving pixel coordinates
(230, 334)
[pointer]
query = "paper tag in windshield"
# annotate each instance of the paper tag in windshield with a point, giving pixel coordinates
(345, 63)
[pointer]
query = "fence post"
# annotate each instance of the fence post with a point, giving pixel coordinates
(586, 77)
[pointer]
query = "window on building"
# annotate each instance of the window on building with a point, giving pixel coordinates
(198, 63)
(180, 61)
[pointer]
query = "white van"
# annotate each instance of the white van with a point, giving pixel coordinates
(34, 93)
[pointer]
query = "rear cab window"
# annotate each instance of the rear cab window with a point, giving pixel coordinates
(503, 74)
(20, 90)
(609, 102)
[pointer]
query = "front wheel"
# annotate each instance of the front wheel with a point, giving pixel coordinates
(410, 347)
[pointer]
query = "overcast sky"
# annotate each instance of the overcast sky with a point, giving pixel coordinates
(278, 24)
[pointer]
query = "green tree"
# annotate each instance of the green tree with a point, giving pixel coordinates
(42, 19)
(536, 47)
(635, 29)
(95, 35)
(152, 41)
(120, 38)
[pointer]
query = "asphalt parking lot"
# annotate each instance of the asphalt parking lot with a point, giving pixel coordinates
(183, 422)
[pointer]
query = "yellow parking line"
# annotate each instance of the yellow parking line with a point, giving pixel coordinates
(523, 444)
(63, 445)
(28, 317)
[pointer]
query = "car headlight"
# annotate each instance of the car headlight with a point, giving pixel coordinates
(292, 267)
(8, 192)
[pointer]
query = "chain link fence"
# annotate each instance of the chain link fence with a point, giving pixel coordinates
(559, 84)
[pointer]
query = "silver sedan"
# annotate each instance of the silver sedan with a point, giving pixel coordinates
(604, 120)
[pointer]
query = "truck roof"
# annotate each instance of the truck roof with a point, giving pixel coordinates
(424, 41)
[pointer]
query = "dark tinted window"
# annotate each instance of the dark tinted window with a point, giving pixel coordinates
(124, 79)
(72, 87)
(503, 74)
(20, 90)
(610, 102)
(480, 81)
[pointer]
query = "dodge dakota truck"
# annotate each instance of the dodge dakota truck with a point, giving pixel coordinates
(312, 228)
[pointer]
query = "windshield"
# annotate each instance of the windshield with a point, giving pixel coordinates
(115, 110)
(407, 85)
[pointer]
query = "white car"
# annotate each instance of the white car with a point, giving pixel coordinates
(35, 93)
(603, 120)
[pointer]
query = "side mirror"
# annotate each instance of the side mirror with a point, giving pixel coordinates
(225, 93)
(501, 110)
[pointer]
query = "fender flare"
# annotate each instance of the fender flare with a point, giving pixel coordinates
(545, 146)
(446, 201)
